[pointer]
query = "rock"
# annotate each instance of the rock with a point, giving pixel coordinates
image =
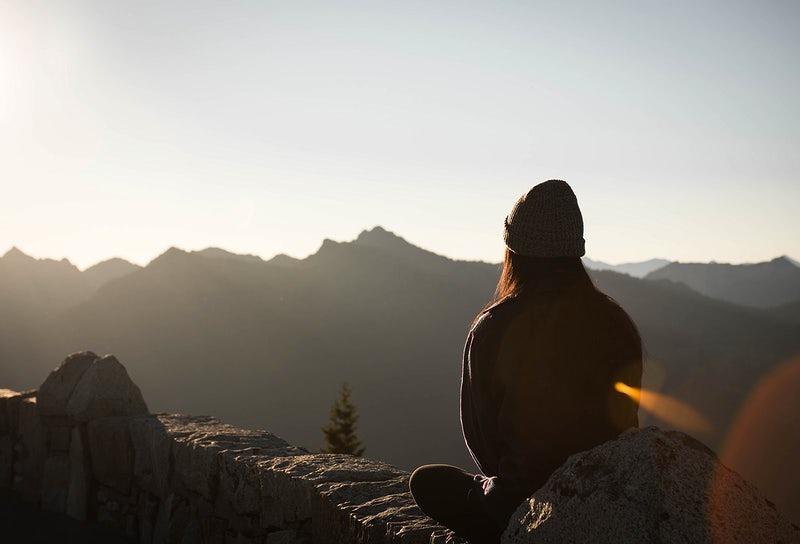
(371, 511)
(648, 486)
(286, 483)
(55, 392)
(10, 402)
(151, 446)
(55, 483)
(5, 422)
(239, 490)
(33, 451)
(6, 460)
(111, 452)
(288, 536)
(161, 529)
(58, 437)
(79, 473)
(105, 390)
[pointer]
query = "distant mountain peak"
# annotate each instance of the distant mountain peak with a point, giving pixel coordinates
(282, 259)
(218, 253)
(172, 254)
(637, 269)
(381, 238)
(16, 254)
(783, 260)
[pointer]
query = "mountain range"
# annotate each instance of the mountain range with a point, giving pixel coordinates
(761, 285)
(268, 343)
(637, 269)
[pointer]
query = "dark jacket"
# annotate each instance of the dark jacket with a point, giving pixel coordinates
(538, 385)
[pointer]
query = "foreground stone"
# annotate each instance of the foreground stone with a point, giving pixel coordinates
(55, 392)
(84, 445)
(105, 390)
(648, 486)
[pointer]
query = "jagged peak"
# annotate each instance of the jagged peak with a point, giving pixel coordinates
(171, 254)
(219, 253)
(380, 237)
(18, 257)
(16, 253)
(784, 260)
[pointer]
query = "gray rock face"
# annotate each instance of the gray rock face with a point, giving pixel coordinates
(111, 452)
(79, 476)
(33, 450)
(648, 486)
(105, 390)
(55, 483)
(56, 390)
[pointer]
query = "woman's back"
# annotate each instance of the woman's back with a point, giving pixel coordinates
(539, 380)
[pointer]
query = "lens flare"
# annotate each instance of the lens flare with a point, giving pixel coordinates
(763, 444)
(669, 410)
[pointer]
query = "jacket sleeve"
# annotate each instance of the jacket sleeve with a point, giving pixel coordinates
(480, 396)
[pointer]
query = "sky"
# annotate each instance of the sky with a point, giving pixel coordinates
(127, 127)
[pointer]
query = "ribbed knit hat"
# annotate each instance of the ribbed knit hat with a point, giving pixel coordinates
(546, 222)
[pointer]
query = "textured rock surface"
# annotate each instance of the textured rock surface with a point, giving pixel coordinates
(79, 476)
(104, 390)
(111, 452)
(648, 486)
(32, 450)
(55, 392)
(5, 422)
(55, 483)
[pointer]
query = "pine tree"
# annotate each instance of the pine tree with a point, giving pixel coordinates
(340, 432)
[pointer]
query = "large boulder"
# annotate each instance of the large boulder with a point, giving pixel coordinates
(105, 390)
(55, 392)
(648, 486)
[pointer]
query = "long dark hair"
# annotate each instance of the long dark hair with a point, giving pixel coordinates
(521, 273)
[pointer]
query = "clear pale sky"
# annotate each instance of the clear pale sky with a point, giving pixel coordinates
(263, 127)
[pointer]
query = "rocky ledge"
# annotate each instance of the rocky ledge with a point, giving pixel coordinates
(84, 444)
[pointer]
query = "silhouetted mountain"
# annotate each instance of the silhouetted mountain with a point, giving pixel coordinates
(39, 286)
(761, 285)
(217, 253)
(268, 343)
(105, 271)
(283, 260)
(637, 270)
(32, 293)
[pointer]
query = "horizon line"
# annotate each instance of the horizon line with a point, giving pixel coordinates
(600, 261)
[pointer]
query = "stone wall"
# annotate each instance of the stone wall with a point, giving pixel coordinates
(84, 445)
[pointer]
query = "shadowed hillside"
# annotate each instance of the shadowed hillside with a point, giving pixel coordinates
(637, 270)
(267, 343)
(761, 285)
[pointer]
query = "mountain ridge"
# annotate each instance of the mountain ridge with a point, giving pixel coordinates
(631, 268)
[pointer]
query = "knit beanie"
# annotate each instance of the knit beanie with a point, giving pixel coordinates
(546, 222)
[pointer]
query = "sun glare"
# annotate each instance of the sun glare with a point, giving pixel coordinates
(669, 410)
